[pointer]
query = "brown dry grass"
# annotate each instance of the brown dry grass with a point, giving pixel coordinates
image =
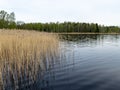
(21, 52)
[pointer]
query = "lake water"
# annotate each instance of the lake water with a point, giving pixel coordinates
(86, 62)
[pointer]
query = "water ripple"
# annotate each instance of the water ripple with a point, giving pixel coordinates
(89, 64)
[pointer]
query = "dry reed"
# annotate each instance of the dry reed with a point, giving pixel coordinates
(22, 54)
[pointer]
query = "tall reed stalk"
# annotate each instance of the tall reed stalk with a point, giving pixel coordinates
(22, 54)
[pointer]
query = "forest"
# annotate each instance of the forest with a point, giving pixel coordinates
(8, 21)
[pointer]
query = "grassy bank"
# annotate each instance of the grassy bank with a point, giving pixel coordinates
(23, 53)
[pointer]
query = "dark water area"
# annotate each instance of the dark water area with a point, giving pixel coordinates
(86, 62)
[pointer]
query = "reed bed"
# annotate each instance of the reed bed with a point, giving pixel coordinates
(22, 56)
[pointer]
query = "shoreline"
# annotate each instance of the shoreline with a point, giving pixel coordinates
(89, 33)
(60, 33)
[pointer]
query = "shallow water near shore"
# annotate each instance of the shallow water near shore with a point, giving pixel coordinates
(86, 62)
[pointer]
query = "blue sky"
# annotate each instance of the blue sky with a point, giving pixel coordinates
(97, 11)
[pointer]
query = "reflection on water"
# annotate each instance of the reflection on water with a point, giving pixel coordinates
(86, 62)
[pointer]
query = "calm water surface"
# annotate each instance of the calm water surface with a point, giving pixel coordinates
(86, 62)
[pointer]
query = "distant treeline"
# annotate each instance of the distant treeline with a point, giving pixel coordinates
(8, 21)
(68, 27)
